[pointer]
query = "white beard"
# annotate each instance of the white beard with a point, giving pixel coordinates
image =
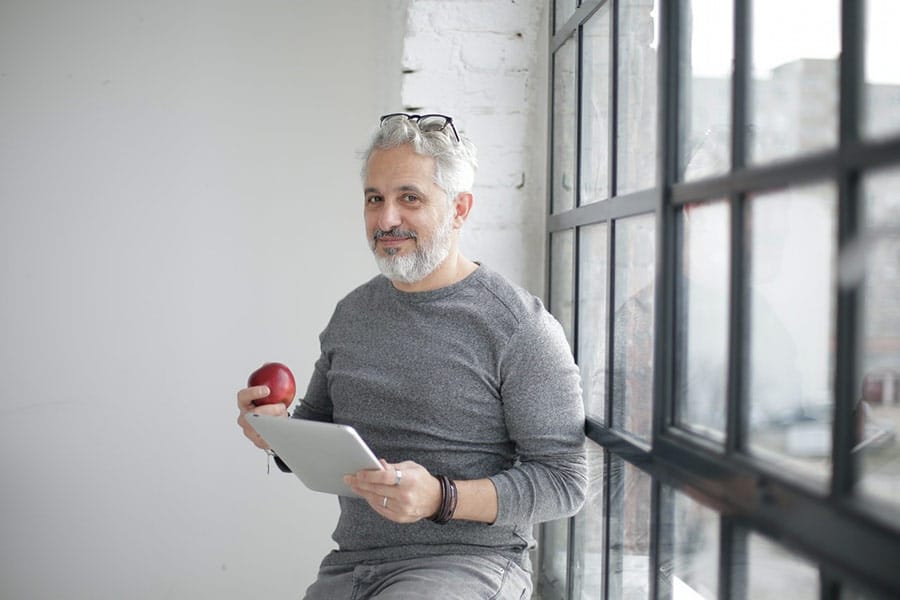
(419, 264)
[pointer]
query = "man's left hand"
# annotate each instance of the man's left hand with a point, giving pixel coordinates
(403, 492)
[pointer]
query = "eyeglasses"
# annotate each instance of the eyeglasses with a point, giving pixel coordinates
(426, 123)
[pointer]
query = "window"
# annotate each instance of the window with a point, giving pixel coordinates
(724, 255)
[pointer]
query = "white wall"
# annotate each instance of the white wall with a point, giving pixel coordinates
(486, 61)
(179, 202)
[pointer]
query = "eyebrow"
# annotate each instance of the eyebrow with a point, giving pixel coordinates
(408, 187)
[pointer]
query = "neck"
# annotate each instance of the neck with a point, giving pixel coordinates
(455, 268)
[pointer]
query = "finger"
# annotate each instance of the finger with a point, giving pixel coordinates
(247, 396)
(384, 476)
(251, 433)
(393, 471)
(273, 410)
(394, 509)
(368, 490)
(366, 494)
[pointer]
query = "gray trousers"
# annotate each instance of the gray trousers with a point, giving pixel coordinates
(447, 577)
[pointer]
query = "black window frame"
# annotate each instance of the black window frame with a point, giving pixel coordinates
(848, 538)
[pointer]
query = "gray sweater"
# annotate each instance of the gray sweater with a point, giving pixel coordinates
(472, 380)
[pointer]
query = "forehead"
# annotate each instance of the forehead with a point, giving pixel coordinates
(399, 164)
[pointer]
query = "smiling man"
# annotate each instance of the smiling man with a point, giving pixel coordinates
(412, 224)
(460, 380)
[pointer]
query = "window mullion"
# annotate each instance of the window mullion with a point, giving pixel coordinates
(734, 429)
(845, 363)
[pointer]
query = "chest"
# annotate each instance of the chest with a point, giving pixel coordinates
(436, 375)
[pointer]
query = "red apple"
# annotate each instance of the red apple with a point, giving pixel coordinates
(280, 381)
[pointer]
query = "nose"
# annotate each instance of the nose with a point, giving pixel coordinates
(389, 216)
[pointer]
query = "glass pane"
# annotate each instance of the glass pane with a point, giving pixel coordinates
(629, 552)
(852, 591)
(636, 125)
(595, 107)
(694, 549)
(554, 547)
(562, 244)
(564, 101)
(793, 107)
(587, 560)
(704, 112)
(775, 572)
(592, 295)
(879, 403)
(635, 242)
(882, 70)
(564, 10)
(790, 311)
(701, 324)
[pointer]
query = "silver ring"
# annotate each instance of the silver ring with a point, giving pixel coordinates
(399, 476)
(384, 502)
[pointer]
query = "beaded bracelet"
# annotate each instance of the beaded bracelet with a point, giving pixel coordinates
(449, 497)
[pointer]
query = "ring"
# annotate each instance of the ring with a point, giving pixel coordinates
(399, 476)
(384, 502)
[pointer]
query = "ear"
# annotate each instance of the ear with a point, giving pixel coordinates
(462, 204)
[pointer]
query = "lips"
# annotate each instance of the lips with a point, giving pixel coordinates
(394, 237)
(393, 241)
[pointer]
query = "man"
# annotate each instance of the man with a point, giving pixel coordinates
(460, 380)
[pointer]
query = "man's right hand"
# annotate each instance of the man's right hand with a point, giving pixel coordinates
(245, 399)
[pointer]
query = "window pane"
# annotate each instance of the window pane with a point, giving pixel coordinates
(790, 311)
(701, 324)
(629, 552)
(857, 592)
(592, 295)
(705, 92)
(775, 572)
(563, 159)
(595, 107)
(587, 560)
(561, 281)
(636, 126)
(554, 547)
(882, 70)
(564, 10)
(694, 549)
(793, 106)
(635, 243)
(879, 410)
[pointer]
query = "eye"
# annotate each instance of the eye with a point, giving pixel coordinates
(410, 198)
(373, 199)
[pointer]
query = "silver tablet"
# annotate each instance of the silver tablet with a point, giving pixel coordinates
(320, 454)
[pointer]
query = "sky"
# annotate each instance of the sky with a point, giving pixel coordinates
(792, 29)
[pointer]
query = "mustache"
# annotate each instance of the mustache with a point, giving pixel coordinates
(396, 232)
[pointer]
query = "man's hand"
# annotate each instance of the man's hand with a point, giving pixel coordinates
(245, 399)
(403, 492)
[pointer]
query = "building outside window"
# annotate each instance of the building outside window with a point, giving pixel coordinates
(724, 255)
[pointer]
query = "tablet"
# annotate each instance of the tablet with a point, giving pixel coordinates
(319, 454)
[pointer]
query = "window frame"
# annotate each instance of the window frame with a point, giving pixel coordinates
(858, 543)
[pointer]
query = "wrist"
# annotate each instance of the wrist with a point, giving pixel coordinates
(448, 501)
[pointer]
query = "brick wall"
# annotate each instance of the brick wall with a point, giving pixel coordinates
(484, 62)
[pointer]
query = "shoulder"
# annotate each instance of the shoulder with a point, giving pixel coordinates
(507, 297)
(515, 313)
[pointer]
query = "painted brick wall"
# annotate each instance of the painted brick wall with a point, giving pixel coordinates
(484, 62)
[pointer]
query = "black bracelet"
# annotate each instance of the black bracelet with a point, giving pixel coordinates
(449, 497)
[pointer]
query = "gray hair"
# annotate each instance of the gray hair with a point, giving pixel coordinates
(454, 162)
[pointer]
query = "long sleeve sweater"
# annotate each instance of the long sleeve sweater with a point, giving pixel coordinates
(474, 380)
